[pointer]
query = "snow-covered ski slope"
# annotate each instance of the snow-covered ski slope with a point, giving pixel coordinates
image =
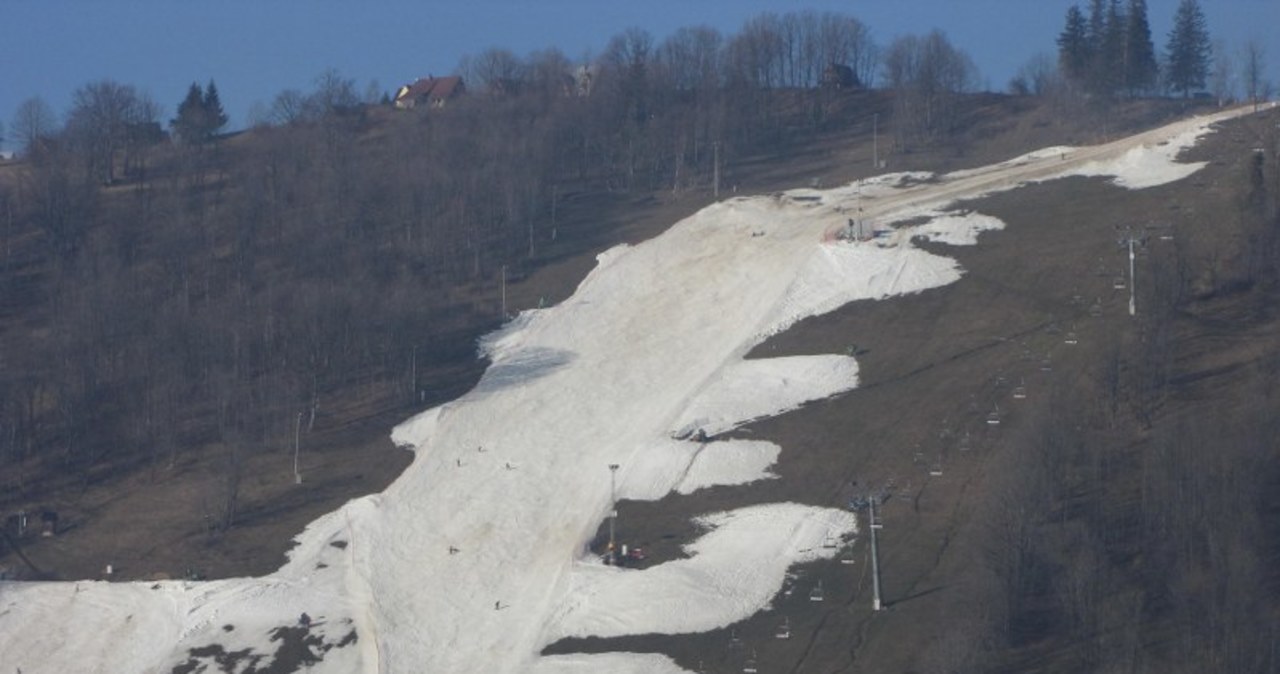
(475, 558)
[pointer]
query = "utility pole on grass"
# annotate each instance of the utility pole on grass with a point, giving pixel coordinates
(875, 141)
(297, 430)
(554, 194)
(715, 182)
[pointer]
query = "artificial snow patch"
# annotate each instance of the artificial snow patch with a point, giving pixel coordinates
(734, 571)
(729, 462)
(839, 273)
(613, 663)
(1154, 162)
(956, 229)
(37, 619)
(883, 186)
(656, 469)
(752, 389)
(415, 431)
(685, 466)
(166, 620)
(1147, 166)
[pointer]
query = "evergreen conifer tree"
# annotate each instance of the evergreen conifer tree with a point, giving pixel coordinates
(1110, 61)
(1188, 50)
(1140, 68)
(200, 115)
(1097, 25)
(1074, 53)
(214, 117)
(190, 122)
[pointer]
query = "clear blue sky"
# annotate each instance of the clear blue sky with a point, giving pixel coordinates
(254, 49)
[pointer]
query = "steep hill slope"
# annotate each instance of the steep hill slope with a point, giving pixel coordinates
(1042, 544)
(219, 293)
(636, 369)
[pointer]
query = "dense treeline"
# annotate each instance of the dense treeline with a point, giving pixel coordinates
(1105, 52)
(1109, 52)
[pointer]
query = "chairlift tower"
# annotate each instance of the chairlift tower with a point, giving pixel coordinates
(1133, 309)
(1129, 239)
(875, 558)
(613, 511)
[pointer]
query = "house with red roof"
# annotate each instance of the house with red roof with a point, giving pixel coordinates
(432, 92)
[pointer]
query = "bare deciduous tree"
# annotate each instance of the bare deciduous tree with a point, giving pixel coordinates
(755, 53)
(1222, 80)
(549, 73)
(333, 94)
(288, 107)
(689, 59)
(33, 120)
(1253, 71)
(496, 70)
(1039, 76)
(102, 114)
(925, 75)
